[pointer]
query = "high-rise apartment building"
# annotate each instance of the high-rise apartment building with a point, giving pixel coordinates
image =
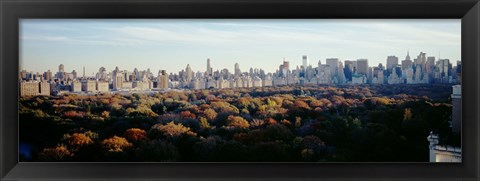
(162, 79)
(89, 86)
(44, 88)
(102, 74)
(28, 88)
(76, 86)
(34, 88)
(457, 108)
(127, 85)
(102, 86)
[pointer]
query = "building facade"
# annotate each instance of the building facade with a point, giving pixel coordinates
(29, 88)
(457, 108)
(162, 79)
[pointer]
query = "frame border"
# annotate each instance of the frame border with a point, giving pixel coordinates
(13, 10)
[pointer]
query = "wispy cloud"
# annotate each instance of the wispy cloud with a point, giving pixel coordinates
(45, 38)
(84, 41)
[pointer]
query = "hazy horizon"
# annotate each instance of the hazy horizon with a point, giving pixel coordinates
(171, 44)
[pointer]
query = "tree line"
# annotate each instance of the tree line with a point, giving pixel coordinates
(381, 123)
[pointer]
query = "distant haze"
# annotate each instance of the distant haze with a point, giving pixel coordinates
(171, 44)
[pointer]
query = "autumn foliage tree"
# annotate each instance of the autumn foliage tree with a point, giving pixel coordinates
(187, 114)
(237, 122)
(58, 153)
(280, 123)
(116, 144)
(210, 114)
(301, 104)
(74, 114)
(78, 140)
(171, 129)
(135, 134)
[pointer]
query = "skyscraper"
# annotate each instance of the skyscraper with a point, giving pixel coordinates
(362, 66)
(430, 61)
(406, 64)
(286, 64)
(189, 73)
(408, 55)
(349, 64)
(333, 64)
(341, 74)
(102, 74)
(136, 75)
(284, 68)
(418, 73)
(47, 75)
(61, 68)
(391, 62)
(61, 72)
(430, 67)
(348, 70)
(237, 70)
(304, 61)
(73, 75)
(458, 71)
(442, 65)
(117, 79)
(209, 68)
(421, 59)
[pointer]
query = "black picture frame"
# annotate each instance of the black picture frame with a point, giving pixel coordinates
(13, 10)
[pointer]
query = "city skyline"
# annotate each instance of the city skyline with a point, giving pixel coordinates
(419, 70)
(208, 61)
(155, 44)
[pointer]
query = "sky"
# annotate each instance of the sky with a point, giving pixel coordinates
(171, 44)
